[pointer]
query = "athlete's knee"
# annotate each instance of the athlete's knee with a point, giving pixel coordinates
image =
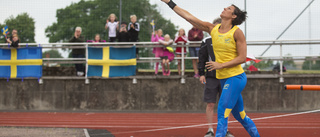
(240, 116)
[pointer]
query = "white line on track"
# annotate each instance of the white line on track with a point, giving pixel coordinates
(86, 132)
(191, 126)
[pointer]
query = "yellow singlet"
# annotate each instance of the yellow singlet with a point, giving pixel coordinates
(225, 50)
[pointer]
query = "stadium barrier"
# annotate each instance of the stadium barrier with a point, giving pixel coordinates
(251, 45)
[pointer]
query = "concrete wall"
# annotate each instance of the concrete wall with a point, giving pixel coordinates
(165, 95)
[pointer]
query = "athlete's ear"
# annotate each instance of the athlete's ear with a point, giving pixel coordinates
(234, 16)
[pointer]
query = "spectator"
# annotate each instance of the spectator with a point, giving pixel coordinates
(252, 68)
(14, 42)
(276, 68)
(14, 32)
(195, 35)
(96, 40)
(113, 26)
(78, 53)
(168, 55)
(123, 35)
(157, 51)
(181, 38)
(133, 29)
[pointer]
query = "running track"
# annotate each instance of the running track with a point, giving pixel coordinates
(306, 124)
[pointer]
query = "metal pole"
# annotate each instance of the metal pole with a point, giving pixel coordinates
(120, 16)
(245, 23)
(281, 65)
(182, 64)
(310, 46)
(86, 71)
(288, 26)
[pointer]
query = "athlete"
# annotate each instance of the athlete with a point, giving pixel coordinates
(230, 49)
(212, 86)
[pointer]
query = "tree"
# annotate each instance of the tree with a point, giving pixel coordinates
(309, 64)
(51, 54)
(92, 15)
(24, 24)
(263, 64)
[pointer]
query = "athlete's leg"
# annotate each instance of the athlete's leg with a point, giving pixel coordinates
(239, 113)
(231, 89)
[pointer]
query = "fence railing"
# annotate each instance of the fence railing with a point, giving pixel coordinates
(279, 57)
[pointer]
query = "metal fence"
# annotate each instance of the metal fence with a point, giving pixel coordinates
(278, 46)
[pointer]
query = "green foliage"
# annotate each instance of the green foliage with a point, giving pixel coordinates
(309, 64)
(92, 15)
(263, 64)
(24, 24)
(52, 54)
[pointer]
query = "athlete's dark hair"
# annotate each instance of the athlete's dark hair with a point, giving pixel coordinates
(241, 16)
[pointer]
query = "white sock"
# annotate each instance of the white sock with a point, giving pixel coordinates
(211, 129)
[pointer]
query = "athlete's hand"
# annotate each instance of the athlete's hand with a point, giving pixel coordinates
(203, 79)
(213, 65)
(166, 1)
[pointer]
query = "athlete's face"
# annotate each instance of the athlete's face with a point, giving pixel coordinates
(228, 12)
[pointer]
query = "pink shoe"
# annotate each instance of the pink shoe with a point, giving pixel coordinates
(168, 73)
(164, 73)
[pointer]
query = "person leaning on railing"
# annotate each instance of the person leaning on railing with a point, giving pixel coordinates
(78, 53)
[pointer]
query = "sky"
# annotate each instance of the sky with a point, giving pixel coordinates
(266, 18)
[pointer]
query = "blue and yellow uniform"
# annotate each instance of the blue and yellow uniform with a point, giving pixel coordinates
(233, 80)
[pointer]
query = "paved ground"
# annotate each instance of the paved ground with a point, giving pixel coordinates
(40, 132)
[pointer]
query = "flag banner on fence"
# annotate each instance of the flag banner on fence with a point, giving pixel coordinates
(111, 62)
(253, 58)
(20, 63)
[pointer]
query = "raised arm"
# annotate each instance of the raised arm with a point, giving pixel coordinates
(204, 26)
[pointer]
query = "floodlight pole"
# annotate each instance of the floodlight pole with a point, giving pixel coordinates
(245, 23)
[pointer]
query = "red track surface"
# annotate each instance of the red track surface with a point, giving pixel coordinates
(165, 124)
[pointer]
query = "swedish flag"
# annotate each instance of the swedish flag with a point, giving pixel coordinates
(111, 62)
(5, 30)
(20, 63)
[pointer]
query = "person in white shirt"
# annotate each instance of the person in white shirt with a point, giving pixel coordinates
(113, 26)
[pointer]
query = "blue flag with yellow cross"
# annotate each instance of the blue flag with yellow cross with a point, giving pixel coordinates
(5, 31)
(21, 62)
(111, 62)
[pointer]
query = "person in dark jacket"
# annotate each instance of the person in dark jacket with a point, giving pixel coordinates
(78, 53)
(14, 41)
(14, 32)
(133, 31)
(123, 35)
(212, 84)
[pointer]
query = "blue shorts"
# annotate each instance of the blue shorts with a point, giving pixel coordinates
(194, 52)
